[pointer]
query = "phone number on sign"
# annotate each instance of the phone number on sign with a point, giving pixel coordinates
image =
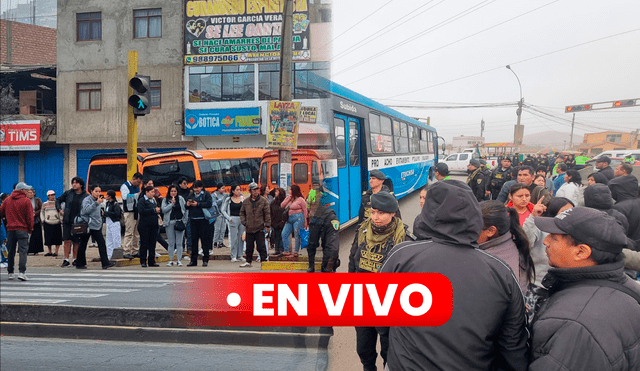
(212, 58)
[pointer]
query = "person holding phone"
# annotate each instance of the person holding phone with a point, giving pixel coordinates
(90, 212)
(174, 210)
(148, 212)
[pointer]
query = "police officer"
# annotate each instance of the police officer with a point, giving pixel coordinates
(376, 180)
(499, 176)
(323, 224)
(375, 237)
(476, 179)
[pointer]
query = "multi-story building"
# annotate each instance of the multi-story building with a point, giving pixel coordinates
(209, 66)
(464, 141)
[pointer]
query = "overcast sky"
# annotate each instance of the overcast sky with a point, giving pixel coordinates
(452, 52)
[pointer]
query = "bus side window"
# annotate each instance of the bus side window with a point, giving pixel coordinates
(315, 174)
(263, 174)
(341, 142)
(354, 144)
(275, 175)
(210, 172)
(225, 171)
(300, 173)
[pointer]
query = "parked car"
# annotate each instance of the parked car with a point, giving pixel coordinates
(459, 161)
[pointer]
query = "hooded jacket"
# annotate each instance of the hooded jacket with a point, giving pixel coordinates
(607, 172)
(487, 325)
(18, 211)
(624, 187)
(598, 196)
(631, 210)
(587, 327)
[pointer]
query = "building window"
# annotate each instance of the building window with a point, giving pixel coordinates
(155, 93)
(615, 138)
(147, 23)
(89, 26)
(88, 96)
(221, 83)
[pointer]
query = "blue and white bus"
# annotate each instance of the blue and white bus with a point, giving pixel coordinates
(353, 135)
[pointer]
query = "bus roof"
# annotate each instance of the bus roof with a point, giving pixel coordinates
(210, 154)
(346, 93)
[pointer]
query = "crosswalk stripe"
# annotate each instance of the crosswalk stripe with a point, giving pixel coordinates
(63, 289)
(32, 301)
(131, 284)
(56, 294)
(114, 280)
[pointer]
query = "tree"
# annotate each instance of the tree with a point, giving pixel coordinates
(8, 102)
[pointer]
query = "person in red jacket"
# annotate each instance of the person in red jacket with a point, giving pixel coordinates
(18, 211)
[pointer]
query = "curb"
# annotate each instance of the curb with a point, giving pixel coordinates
(289, 266)
(159, 325)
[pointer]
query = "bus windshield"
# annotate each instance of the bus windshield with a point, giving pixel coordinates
(108, 177)
(163, 175)
(228, 172)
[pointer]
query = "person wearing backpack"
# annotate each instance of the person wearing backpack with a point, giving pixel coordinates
(220, 226)
(112, 216)
(593, 308)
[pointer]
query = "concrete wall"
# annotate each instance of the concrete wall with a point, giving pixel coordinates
(106, 61)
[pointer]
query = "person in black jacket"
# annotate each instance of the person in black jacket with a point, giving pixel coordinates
(277, 221)
(486, 330)
(148, 212)
(591, 319)
(602, 164)
(625, 185)
(72, 200)
(199, 199)
(476, 180)
(323, 225)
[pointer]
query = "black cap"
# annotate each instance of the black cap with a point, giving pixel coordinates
(604, 159)
(589, 226)
(442, 168)
(220, 185)
(377, 174)
(506, 158)
(384, 201)
(474, 162)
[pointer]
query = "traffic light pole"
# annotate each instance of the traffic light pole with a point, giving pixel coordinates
(132, 123)
(573, 120)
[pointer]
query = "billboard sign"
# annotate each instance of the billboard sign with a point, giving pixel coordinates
(223, 121)
(283, 125)
(237, 31)
(20, 135)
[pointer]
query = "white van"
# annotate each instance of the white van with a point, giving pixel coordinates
(459, 161)
(614, 153)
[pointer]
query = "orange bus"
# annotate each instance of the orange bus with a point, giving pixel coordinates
(226, 166)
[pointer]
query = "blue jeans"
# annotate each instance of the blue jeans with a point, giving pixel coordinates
(295, 224)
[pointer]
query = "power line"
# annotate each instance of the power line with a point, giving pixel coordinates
(502, 66)
(427, 31)
(364, 41)
(357, 23)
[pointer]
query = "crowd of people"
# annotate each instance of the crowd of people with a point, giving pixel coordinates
(543, 268)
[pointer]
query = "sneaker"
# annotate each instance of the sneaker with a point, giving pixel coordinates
(234, 260)
(221, 245)
(200, 252)
(242, 259)
(186, 257)
(170, 264)
(204, 264)
(73, 263)
(245, 265)
(11, 276)
(258, 259)
(179, 264)
(22, 277)
(66, 263)
(157, 255)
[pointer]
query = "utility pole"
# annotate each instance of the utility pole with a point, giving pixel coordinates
(481, 127)
(286, 54)
(132, 123)
(571, 139)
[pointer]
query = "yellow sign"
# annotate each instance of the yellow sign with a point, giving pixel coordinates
(283, 125)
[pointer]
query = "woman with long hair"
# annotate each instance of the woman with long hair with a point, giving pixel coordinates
(277, 222)
(572, 187)
(36, 245)
(91, 212)
(174, 210)
(297, 218)
(520, 200)
(231, 211)
(536, 236)
(503, 237)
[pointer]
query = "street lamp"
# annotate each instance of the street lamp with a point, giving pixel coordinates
(519, 129)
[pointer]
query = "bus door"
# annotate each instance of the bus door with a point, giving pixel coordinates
(347, 131)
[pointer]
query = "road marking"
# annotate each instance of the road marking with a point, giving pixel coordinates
(56, 294)
(63, 289)
(32, 301)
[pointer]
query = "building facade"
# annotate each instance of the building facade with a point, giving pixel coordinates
(595, 143)
(463, 141)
